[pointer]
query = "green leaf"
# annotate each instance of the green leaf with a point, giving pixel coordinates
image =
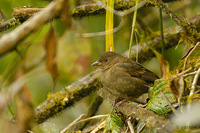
(164, 65)
(144, 129)
(113, 123)
(157, 103)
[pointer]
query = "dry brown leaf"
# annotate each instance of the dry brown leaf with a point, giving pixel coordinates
(177, 87)
(164, 66)
(66, 14)
(50, 44)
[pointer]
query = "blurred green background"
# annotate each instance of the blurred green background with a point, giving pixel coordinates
(75, 55)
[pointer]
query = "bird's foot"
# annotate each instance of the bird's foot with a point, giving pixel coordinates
(124, 100)
(143, 105)
(115, 103)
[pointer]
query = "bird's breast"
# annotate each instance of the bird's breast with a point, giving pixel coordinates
(121, 84)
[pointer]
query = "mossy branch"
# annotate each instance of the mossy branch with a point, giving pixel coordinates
(172, 36)
(190, 30)
(98, 9)
(24, 13)
(149, 118)
(8, 24)
(139, 113)
(67, 97)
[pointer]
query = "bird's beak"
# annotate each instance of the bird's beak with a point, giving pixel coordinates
(96, 63)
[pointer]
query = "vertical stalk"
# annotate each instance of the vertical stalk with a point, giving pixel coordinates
(133, 27)
(109, 26)
(161, 32)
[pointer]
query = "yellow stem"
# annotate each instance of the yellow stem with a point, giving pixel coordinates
(109, 26)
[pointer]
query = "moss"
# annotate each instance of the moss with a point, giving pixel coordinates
(87, 10)
(95, 9)
(59, 101)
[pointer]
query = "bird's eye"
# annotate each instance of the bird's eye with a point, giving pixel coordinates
(106, 60)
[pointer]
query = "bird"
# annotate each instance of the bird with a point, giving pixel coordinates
(123, 77)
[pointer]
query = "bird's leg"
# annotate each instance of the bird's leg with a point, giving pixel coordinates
(114, 103)
(143, 104)
(128, 98)
(140, 102)
(124, 100)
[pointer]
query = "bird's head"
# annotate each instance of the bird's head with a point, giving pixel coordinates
(107, 60)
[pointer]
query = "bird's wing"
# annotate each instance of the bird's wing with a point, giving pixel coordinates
(137, 70)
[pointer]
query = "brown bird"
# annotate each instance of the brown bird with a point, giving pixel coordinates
(123, 77)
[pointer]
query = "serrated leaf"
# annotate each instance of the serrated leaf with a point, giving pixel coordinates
(144, 129)
(113, 123)
(157, 103)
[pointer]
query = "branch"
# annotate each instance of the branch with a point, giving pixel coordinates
(97, 9)
(11, 40)
(146, 116)
(61, 100)
(91, 110)
(67, 97)
(8, 24)
(149, 118)
(184, 23)
(172, 36)
(24, 13)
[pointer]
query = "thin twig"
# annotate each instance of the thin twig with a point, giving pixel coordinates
(91, 110)
(193, 86)
(183, 22)
(183, 72)
(189, 74)
(147, 30)
(141, 128)
(103, 33)
(75, 121)
(121, 13)
(84, 120)
(197, 91)
(130, 125)
(189, 55)
(166, 99)
(161, 32)
(181, 89)
(2, 18)
(132, 30)
(100, 126)
(137, 47)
